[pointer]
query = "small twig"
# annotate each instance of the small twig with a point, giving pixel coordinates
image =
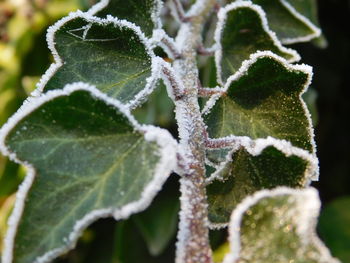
(202, 50)
(179, 10)
(217, 7)
(162, 39)
(169, 44)
(177, 89)
(207, 92)
(220, 143)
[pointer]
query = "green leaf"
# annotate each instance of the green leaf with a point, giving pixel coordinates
(158, 224)
(277, 226)
(10, 177)
(89, 158)
(290, 19)
(334, 227)
(307, 8)
(144, 13)
(110, 54)
(242, 30)
(158, 109)
(263, 99)
(266, 165)
(216, 157)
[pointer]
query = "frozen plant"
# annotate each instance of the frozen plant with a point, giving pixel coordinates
(245, 158)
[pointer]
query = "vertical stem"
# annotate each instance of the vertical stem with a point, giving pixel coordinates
(193, 237)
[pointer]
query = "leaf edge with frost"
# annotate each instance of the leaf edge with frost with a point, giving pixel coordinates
(291, 67)
(222, 17)
(156, 62)
(255, 148)
(168, 148)
(155, 17)
(310, 198)
(316, 30)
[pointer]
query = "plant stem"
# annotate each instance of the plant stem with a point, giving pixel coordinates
(193, 237)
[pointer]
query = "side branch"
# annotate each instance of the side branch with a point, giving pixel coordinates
(169, 45)
(179, 11)
(177, 90)
(162, 39)
(202, 50)
(207, 92)
(221, 143)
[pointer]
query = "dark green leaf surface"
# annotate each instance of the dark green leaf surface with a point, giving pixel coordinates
(143, 13)
(334, 227)
(158, 224)
(288, 27)
(217, 156)
(242, 33)
(247, 174)
(264, 101)
(277, 226)
(111, 57)
(87, 157)
(307, 8)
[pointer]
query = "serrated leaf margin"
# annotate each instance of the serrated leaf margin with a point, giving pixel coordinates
(167, 164)
(291, 67)
(222, 16)
(306, 228)
(58, 62)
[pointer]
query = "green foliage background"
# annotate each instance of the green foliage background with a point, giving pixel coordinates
(24, 57)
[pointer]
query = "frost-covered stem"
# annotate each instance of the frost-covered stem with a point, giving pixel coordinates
(171, 47)
(220, 143)
(179, 10)
(207, 92)
(202, 50)
(193, 237)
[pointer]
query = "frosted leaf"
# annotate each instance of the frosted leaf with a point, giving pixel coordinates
(253, 165)
(111, 54)
(80, 148)
(144, 13)
(293, 21)
(277, 226)
(263, 98)
(242, 30)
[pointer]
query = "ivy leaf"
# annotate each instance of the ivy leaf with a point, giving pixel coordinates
(307, 8)
(242, 30)
(215, 157)
(334, 227)
(277, 226)
(87, 159)
(144, 13)
(110, 54)
(263, 99)
(293, 21)
(253, 166)
(158, 224)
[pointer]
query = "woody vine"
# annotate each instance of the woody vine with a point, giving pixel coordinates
(245, 154)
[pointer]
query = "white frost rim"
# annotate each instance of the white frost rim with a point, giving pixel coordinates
(316, 31)
(243, 71)
(308, 205)
(256, 147)
(155, 16)
(167, 163)
(58, 61)
(222, 17)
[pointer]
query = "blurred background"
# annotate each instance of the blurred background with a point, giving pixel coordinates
(150, 236)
